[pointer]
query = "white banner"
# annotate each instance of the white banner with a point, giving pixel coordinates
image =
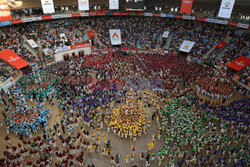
(113, 4)
(83, 4)
(149, 14)
(226, 8)
(32, 43)
(84, 14)
(220, 21)
(62, 35)
(30, 19)
(48, 6)
(189, 17)
(163, 15)
(210, 20)
(115, 36)
(61, 49)
(165, 34)
(57, 16)
(186, 46)
(67, 15)
(243, 25)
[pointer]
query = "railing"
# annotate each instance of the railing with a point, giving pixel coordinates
(110, 13)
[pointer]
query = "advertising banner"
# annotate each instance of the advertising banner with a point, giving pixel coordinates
(239, 63)
(186, 6)
(113, 4)
(226, 8)
(13, 59)
(48, 6)
(115, 36)
(83, 4)
(32, 43)
(221, 44)
(4, 11)
(165, 34)
(186, 46)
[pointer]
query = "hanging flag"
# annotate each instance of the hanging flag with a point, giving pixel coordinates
(113, 4)
(115, 36)
(91, 33)
(239, 63)
(32, 43)
(186, 6)
(221, 44)
(4, 11)
(83, 4)
(186, 46)
(48, 6)
(226, 8)
(13, 59)
(165, 34)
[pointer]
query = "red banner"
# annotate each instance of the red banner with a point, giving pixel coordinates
(18, 21)
(76, 15)
(200, 19)
(239, 63)
(186, 6)
(100, 13)
(4, 11)
(91, 33)
(236, 77)
(117, 13)
(156, 15)
(46, 17)
(87, 44)
(232, 23)
(125, 13)
(92, 13)
(13, 59)
(178, 16)
(221, 44)
(140, 14)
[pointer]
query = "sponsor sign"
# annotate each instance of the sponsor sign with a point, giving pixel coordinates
(32, 43)
(165, 34)
(13, 59)
(226, 8)
(239, 63)
(4, 11)
(48, 6)
(186, 46)
(113, 4)
(83, 4)
(186, 6)
(189, 17)
(115, 36)
(221, 44)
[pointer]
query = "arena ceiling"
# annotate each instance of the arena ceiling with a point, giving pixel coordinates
(240, 5)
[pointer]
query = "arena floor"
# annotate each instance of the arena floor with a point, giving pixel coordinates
(119, 146)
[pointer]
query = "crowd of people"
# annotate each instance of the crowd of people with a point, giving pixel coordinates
(139, 33)
(56, 33)
(7, 71)
(238, 46)
(200, 137)
(216, 84)
(125, 93)
(11, 38)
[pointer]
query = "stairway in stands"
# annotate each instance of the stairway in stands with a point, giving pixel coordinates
(96, 39)
(205, 57)
(218, 53)
(159, 42)
(225, 48)
(168, 40)
(29, 48)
